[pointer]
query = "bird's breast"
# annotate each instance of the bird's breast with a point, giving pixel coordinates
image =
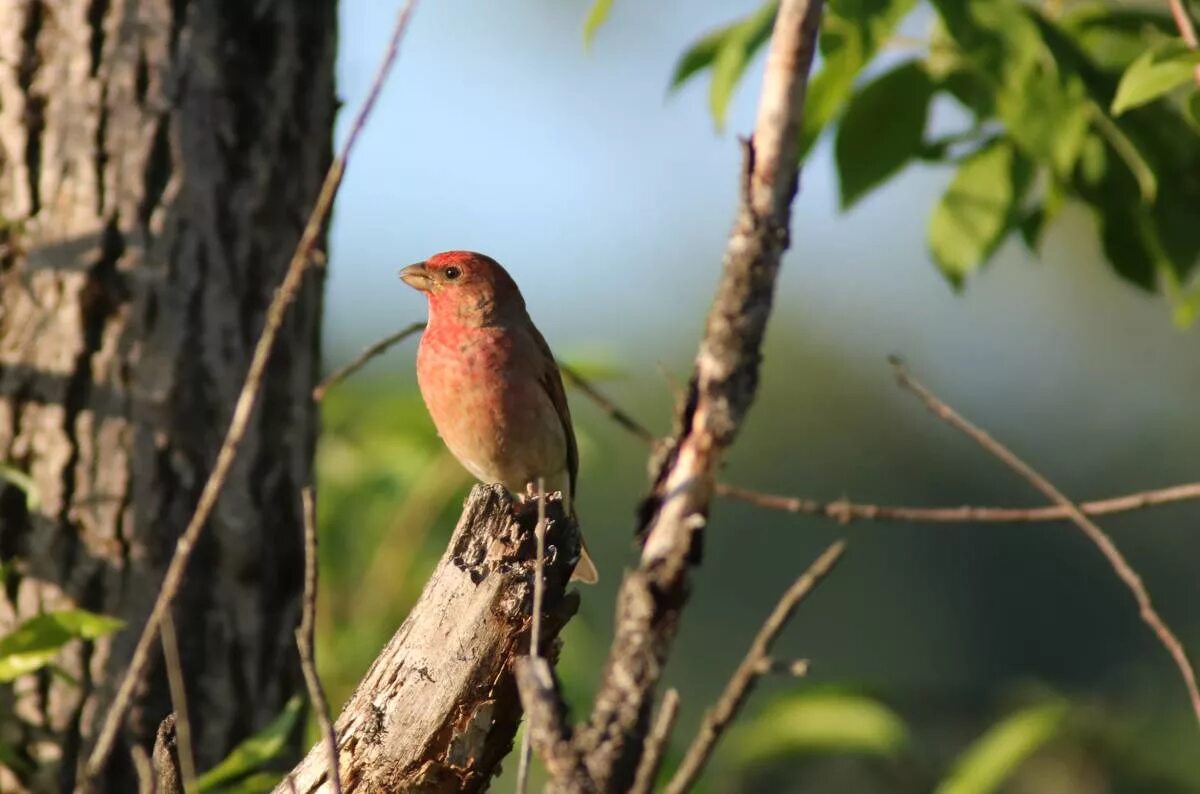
(484, 394)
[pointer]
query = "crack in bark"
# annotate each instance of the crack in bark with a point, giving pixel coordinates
(35, 104)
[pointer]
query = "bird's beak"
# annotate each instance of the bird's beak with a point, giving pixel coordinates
(417, 277)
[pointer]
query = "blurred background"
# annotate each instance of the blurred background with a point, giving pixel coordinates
(609, 200)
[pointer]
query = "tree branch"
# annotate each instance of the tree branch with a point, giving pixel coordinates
(656, 744)
(723, 386)
(369, 352)
(243, 409)
(305, 640)
(438, 708)
(547, 726)
(1116, 560)
(844, 512)
(756, 663)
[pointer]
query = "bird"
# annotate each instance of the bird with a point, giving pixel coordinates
(491, 384)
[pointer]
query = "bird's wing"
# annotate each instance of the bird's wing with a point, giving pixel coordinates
(551, 380)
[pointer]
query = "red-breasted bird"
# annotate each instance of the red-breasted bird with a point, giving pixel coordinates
(491, 383)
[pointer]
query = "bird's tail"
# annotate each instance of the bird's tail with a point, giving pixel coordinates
(585, 570)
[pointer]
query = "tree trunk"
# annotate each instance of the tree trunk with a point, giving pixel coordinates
(157, 162)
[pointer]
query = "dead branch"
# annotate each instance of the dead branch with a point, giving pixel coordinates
(723, 387)
(165, 759)
(298, 266)
(1097, 536)
(656, 744)
(844, 512)
(614, 411)
(305, 640)
(547, 726)
(369, 352)
(438, 708)
(756, 663)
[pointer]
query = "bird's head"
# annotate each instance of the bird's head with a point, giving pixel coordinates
(469, 288)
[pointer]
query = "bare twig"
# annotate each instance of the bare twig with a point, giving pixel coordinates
(753, 666)
(656, 744)
(1116, 560)
(796, 668)
(369, 352)
(845, 512)
(722, 388)
(1183, 21)
(183, 725)
(143, 769)
(535, 631)
(614, 411)
(305, 639)
(547, 726)
(297, 267)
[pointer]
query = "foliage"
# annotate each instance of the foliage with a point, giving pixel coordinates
(984, 765)
(22, 481)
(798, 731)
(240, 771)
(34, 644)
(1096, 105)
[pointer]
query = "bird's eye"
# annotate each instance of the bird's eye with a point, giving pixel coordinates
(452, 273)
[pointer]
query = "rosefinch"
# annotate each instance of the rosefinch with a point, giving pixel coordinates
(490, 381)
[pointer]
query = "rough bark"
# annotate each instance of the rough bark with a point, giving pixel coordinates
(157, 160)
(438, 709)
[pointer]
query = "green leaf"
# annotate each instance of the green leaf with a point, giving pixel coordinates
(821, 722)
(36, 642)
(595, 18)
(23, 482)
(252, 753)
(734, 54)
(699, 56)
(851, 33)
(257, 783)
(882, 129)
(977, 209)
(1158, 71)
(1004, 747)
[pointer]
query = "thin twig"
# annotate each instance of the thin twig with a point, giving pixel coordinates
(305, 639)
(369, 352)
(753, 666)
(614, 411)
(656, 744)
(1187, 30)
(845, 512)
(535, 631)
(301, 260)
(143, 769)
(1116, 560)
(183, 725)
